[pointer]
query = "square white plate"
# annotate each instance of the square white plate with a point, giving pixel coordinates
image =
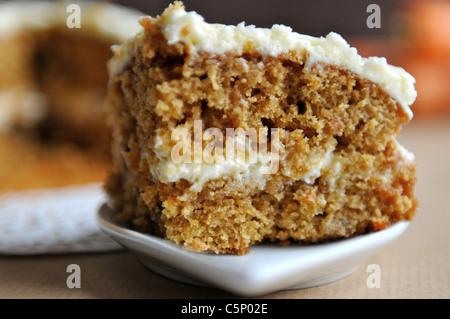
(267, 267)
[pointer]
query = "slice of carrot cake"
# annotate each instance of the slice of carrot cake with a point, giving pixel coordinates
(227, 136)
(52, 88)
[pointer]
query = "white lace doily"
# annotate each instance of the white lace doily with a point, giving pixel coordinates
(53, 221)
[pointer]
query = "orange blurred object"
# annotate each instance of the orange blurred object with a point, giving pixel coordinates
(432, 85)
(428, 27)
(423, 50)
(427, 54)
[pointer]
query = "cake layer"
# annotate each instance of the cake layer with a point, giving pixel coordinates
(189, 28)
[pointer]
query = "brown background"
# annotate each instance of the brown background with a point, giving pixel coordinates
(317, 18)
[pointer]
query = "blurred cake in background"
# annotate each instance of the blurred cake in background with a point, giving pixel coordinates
(52, 88)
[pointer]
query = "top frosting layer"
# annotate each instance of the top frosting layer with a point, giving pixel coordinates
(177, 25)
(107, 19)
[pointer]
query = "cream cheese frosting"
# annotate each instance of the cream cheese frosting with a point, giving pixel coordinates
(167, 170)
(266, 163)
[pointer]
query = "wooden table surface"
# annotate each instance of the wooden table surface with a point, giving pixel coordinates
(417, 265)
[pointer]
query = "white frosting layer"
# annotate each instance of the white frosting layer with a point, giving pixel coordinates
(167, 171)
(198, 174)
(107, 19)
(407, 156)
(190, 28)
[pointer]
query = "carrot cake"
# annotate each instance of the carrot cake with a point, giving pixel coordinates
(228, 136)
(52, 88)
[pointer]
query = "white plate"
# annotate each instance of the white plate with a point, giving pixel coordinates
(267, 267)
